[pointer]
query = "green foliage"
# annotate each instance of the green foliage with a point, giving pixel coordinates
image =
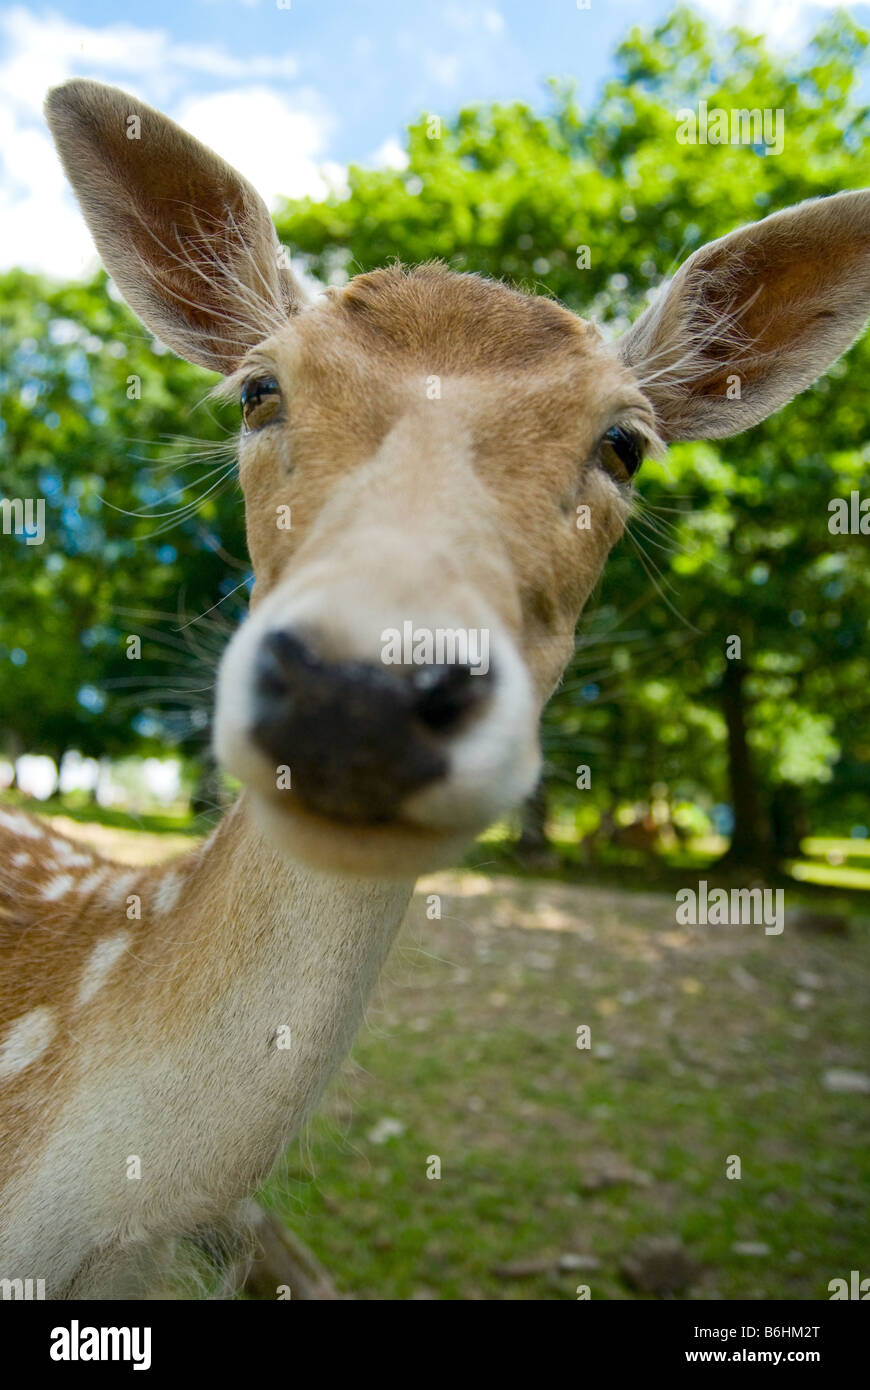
(75, 433)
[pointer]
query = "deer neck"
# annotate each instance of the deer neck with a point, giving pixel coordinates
(211, 1027)
(273, 964)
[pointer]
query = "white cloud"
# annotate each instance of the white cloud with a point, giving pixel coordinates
(788, 22)
(389, 155)
(47, 48)
(467, 17)
(277, 138)
(477, 27)
(276, 146)
(443, 68)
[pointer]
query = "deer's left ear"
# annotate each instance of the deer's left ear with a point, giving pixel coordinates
(187, 240)
(755, 317)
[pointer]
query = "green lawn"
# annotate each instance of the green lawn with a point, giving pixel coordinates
(706, 1042)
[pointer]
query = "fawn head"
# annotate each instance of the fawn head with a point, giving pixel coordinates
(435, 468)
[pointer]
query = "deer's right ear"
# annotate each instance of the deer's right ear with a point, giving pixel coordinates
(755, 317)
(187, 240)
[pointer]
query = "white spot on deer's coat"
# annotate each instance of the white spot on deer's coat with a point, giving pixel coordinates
(92, 881)
(208, 841)
(26, 1040)
(57, 887)
(21, 825)
(168, 892)
(102, 958)
(120, 888)
(69, 856)
(20, 859)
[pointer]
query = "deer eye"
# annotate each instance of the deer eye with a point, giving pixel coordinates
(261, 402)
(621, 453)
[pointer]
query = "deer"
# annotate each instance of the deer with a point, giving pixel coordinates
(144, 1090)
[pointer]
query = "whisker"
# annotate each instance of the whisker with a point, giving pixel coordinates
(245, 581)
(652, 571)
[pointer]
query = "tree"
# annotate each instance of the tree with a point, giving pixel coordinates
(90, 409)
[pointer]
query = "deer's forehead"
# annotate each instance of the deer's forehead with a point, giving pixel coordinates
(335, 363)
(451, 323)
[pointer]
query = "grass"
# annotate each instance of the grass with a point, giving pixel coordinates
(83, 811)
(829, 875)
(706, 1043)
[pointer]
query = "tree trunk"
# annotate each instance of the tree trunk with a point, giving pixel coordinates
(208, 794)
(788, 821)
(533, 848)
(750, 845)
(13, 749)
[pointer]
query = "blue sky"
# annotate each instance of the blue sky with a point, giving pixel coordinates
(291, 96)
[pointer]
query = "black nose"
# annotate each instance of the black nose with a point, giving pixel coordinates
(357, 737)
